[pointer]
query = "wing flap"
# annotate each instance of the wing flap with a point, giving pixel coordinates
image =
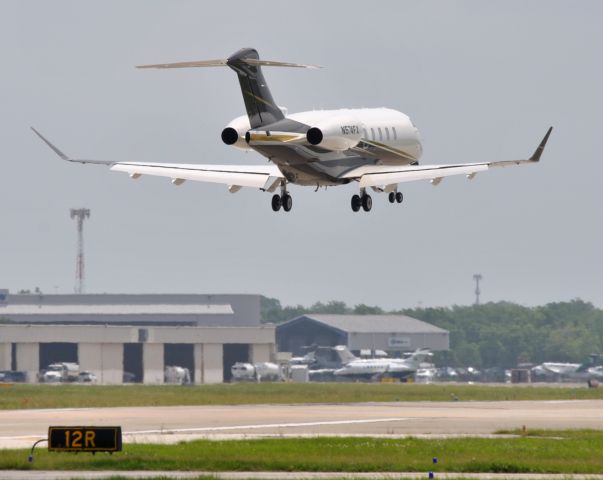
(394, 175)
(257, 176)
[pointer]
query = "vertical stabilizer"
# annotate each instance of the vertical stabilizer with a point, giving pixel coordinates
(344, 354)
(260, 106)
(417, 357)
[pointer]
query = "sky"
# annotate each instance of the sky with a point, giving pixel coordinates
(481, 80)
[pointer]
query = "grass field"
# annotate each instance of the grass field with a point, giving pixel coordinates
(73, 396)
(546, 452)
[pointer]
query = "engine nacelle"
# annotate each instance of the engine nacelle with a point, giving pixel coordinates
(234, 133)
(337, 133)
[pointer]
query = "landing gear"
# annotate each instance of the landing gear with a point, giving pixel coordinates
(283, 200)
(395, 197)
(363, 201)
(287, 202)
(276, 202)
(367, 202)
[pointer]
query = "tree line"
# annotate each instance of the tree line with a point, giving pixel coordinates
(501, 334)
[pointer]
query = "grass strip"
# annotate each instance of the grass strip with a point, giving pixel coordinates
(78, 396)
(575, 452)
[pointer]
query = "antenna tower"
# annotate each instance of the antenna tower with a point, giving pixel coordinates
(80, 214)
(477, 277)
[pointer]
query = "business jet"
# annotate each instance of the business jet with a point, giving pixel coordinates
(378, 367)
(374, 148)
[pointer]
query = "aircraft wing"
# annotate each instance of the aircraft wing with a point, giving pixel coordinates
(266, 177)
(259, 176)
(382, 175)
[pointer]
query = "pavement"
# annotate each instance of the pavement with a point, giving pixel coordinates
(20, 428)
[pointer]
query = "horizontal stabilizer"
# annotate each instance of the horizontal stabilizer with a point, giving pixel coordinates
(224, 63)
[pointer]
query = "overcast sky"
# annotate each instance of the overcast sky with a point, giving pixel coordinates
(481, 80)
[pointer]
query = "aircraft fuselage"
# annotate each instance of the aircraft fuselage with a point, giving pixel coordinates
(319, 147)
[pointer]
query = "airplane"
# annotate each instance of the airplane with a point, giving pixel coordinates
(378, 367)
(374, 148)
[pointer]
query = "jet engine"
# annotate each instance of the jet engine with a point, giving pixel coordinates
(337, 133)
(234, 133)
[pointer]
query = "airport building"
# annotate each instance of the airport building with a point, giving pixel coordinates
(117, 336)
(391, 333)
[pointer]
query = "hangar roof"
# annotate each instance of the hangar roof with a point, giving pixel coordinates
(372, 323)
(137, 309)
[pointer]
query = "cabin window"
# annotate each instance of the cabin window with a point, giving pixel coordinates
(387, 133)
(372, 133)
(380, 134)
(395, 134)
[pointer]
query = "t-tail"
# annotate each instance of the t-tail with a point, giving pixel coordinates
(344, 354)
(417, 357)
(261, 107)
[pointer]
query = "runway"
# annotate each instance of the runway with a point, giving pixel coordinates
(20, 428)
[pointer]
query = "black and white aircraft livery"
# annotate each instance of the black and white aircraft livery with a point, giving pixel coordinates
(378, 148)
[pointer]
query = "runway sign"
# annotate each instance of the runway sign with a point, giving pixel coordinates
(84, 439)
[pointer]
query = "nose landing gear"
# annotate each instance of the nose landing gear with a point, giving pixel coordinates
(396, 197)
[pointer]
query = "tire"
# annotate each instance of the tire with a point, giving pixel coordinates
(356, 203)
(287, 202)
(392, 197)
(276, 202)
(399, 197)
(367, 203)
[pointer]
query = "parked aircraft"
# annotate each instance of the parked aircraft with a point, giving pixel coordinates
(378, 367)
(373, 148)
(590, 369)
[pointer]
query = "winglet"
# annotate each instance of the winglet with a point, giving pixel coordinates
(55, 149)
(65, 157)
(538, 152)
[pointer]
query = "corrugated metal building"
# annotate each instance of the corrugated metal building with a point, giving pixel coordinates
(117, 335)
(392, 333)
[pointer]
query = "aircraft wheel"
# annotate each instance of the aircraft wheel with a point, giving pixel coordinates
(287, 202)
(276, 202)
(399, 197)
(367, 203)
(356, 202)
(392, 197)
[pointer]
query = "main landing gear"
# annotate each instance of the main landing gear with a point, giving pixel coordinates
(283, 200)
(365, 201)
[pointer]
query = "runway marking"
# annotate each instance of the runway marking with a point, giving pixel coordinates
(268, 425)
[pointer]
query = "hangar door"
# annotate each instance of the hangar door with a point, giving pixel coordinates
(233, 353)
(56, 353)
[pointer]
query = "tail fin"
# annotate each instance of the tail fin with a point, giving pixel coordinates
(260, 106)
(344, 354)
(418, 356)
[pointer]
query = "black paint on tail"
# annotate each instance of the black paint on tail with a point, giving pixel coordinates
(261, 108)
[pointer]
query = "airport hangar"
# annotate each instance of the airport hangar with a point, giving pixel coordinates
(108, 334)
(394, 334)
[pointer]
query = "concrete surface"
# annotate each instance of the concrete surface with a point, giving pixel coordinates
(20, 428)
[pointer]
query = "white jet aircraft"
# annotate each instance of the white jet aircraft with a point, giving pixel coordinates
(378, 367)
(376, 148)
